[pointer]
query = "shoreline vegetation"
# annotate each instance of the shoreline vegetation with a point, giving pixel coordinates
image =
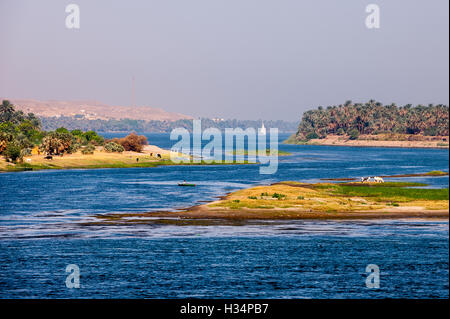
(292, 200)
(24, 146)
(102, 159)
(373, 124)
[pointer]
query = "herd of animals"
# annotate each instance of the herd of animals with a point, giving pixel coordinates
(376, 179)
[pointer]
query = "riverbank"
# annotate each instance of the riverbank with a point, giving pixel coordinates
(151, 156)
(382, 140)
(294, 200)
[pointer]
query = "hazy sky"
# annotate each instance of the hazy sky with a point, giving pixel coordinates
(247, 59)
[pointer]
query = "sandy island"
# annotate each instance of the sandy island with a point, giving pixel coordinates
(293, 200)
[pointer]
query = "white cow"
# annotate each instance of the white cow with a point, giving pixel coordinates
(378, 179)
(365, 179)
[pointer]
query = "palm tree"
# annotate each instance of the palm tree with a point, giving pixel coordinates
(6, 111)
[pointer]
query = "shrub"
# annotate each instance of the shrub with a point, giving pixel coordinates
(278, 196)
(252, 197)
(132, 142)
(88, 150)
(56, 143)
(312, 135)
(25, 152)
(236, 201)
(74, 147)
(12, 152)
(354, 134)
(113, 147)
(62, 130)
(93, 138)
(430, 131)
(300, 197)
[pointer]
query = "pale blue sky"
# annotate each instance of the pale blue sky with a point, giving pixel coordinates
(247, 59)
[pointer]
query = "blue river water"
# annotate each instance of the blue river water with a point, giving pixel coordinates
(42, 231)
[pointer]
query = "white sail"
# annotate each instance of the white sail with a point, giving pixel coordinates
(262, 130)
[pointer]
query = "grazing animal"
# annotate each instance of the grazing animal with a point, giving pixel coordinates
(365, 179)
(158, 155)
(48, 157)
(378, 179)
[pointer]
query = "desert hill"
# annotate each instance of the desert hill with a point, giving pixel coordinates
(93, 110)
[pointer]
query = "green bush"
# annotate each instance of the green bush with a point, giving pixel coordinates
(12, 152)
(431, 131)
(62, 130)
(88, 150)
(25, 152)
(113, 147)
(312, 135)
(74, 147)
(354, 134)
(300, 197)
(93, 137)
(278, 196)
(252, 197)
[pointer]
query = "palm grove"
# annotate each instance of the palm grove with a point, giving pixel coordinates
(20, 133)
(353, 119)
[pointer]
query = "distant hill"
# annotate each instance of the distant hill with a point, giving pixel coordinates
(373, 118)
(93, 110)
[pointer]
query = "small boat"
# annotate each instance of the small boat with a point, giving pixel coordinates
(185, 184)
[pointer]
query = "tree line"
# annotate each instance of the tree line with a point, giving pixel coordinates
(22, 133)
(373, 117)
(126, 125)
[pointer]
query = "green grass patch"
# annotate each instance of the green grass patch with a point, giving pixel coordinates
(393, 193)
(436, 173)
(386, 184)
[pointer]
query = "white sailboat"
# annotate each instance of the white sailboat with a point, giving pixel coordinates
(262, 130)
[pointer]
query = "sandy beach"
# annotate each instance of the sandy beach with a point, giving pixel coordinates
(378, 141)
